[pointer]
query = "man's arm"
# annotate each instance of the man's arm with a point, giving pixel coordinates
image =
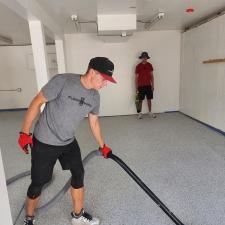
(95, 128)
(152, 81)
(136, 77)
(136, 81)
(33, 111)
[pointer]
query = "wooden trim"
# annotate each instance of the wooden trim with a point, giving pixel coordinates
(214, 61)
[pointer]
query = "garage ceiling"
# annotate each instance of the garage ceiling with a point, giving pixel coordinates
(16, 28)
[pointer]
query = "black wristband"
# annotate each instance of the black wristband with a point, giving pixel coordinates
(30, 134)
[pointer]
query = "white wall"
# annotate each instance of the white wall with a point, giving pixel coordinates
(163, 46)
(16, 71)
(5, 213)
(202, 94)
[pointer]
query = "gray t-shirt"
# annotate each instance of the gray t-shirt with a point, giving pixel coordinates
(68, 103)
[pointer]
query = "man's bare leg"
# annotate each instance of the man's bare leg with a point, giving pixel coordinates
(140, 109)
(31, 205)
(149, 105)
(150, 109)
(78, 199)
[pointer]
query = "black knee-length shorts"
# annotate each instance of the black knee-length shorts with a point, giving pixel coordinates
(145, 91)
(44, 157)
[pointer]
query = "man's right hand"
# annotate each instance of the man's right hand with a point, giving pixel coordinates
(105, 150)
(25, 140)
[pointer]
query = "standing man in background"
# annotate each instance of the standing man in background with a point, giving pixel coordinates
(69, 98)
(144, 84)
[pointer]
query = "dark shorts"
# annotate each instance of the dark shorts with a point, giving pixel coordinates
(145, 91)
(44, 157)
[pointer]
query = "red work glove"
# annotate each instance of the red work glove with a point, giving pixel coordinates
(105, 150)
(25, 140)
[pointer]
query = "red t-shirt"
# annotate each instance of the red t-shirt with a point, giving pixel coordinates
(144, 74)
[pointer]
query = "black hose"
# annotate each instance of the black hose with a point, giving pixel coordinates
(17, 177)
(145, 188)
(61, 193)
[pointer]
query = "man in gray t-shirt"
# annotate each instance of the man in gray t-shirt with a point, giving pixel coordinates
(68, 99)
(64, 110)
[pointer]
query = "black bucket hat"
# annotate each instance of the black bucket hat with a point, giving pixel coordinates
(144, 55)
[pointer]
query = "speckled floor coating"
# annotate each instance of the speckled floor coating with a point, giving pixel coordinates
(179, 159)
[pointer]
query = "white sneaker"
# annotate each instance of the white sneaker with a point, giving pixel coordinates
(152, 115)
(29, 220)
(84, 219)
(140, 115)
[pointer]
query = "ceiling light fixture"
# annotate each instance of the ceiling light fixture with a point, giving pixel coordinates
(155, 19)
(74, 18)
(124, 34)
(78, 23)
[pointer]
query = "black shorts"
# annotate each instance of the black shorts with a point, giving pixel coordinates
(44, 157)
(145, 91)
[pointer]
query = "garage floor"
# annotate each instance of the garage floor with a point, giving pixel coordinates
(179, 159)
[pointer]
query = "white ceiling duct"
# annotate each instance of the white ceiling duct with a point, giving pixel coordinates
(116, 24)
(116, 28)
(125, 22)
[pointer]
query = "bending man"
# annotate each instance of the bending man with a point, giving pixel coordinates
(68, 99)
